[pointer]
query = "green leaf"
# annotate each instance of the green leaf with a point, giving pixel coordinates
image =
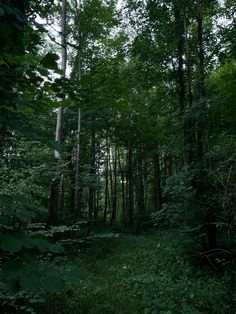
(2, 12)
(65, 103)
(25, 215)
(25, 240)
(29, 280)
(53, 284)
(10, 269)
(55, 248)
(4, 220)
(72, 277)
(42, 244)
(21, 199)
(11, 244)
(50, 61)
(5, 200)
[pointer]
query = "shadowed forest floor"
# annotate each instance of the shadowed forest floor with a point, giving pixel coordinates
(144, 274)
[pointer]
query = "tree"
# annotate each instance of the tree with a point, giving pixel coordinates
(56, 183)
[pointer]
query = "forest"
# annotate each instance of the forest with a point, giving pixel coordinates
(118, 156)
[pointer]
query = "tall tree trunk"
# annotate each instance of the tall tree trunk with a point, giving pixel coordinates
(114, 198)
(145, 183)
(92, 175)
(96, 208)
(203, 185)
(140, 189)
(189, 128)
(55, 185)
(202, 127)
(180, 51)
(121, 171)
(130, 186)
(111, 184)
(77, 159)
(180, 33)
(157, 183)
(106, 180)
(188, 61)
(58, 137)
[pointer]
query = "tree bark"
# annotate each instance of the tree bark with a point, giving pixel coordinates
(122, 176)
(77, 159)
(106, 181)
(114, 191)
(157, 183)
(130, 195)
(140, 189)
(92, 178)
(202, 186)
(189, 129)
(55, 185)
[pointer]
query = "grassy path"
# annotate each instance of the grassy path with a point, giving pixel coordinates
(143, 274)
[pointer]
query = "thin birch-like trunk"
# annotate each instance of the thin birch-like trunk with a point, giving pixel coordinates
(58, 136)
(77, 159)
(55, 186)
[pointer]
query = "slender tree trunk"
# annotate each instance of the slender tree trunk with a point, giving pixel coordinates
(114, 195)
(165, 166)
(180, 32)
(180, 51)
(122, 176)
(55, 186)
(140, 189)
(77, 159)
(92, 173)
(111, 185)
(106, 181)
(62, 192)
(202, 127)
(130, 186)
(188, 62)
(96, 209)
(146, 185)
(189, 128)
(157, 183)
(58, 137)
(203, 186)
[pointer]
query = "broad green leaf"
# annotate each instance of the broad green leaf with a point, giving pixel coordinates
(72, 276)
(29, 280)
(5, 200)
(65, 103)
(42, 244)
(11, 244)
(25, 240)
(19, 198)
(11, 269)
(2, 12)
(25, 215)
(50, 61)
(53, 284)
(55, 248)
(29, 259)
(4, 220)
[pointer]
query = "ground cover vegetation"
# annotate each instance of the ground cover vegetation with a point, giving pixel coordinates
(117, 156)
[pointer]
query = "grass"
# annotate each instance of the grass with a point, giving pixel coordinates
(143, 274)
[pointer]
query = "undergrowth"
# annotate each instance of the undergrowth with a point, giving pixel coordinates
(144, 274)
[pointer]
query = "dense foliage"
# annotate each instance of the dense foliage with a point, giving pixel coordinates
(142, 98)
